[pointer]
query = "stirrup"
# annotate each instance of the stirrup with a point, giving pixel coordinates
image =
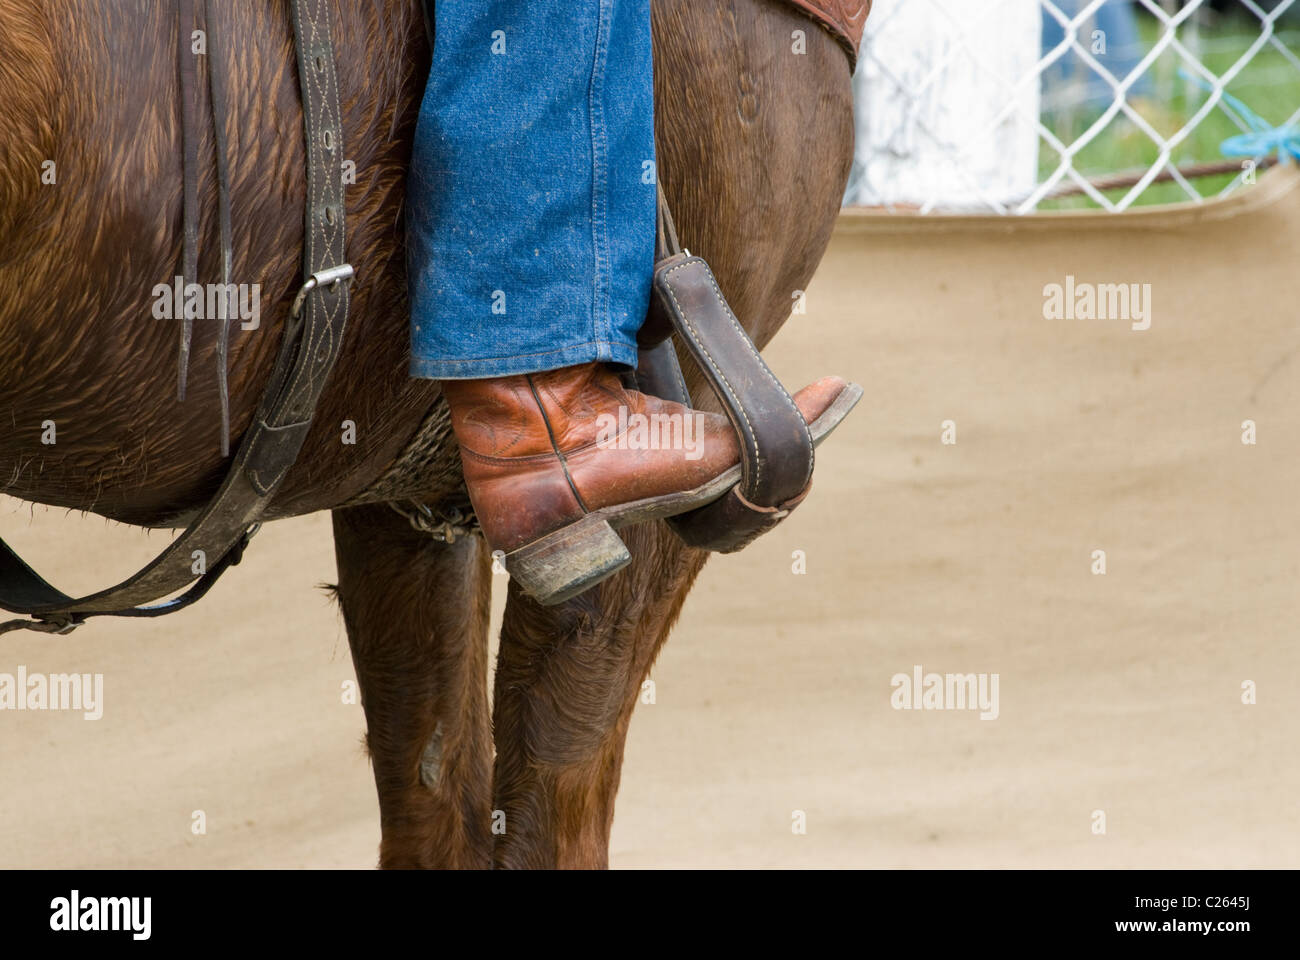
(776, 445)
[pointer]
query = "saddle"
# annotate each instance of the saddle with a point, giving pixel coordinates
(845, 19)
(689, 308)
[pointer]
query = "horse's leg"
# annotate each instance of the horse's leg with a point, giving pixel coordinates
(755, 146)
(417, 614)
(567, 679)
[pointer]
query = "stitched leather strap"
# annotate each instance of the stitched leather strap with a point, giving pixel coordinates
(776, 447)
(312, 338)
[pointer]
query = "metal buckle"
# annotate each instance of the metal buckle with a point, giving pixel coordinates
(321, 278)
(237, 551)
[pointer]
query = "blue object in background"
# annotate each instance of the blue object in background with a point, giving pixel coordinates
(1117, 20)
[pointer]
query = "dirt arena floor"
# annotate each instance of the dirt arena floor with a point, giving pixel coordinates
(1119, 693)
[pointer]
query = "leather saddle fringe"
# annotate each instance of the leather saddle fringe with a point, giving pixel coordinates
(187, 25)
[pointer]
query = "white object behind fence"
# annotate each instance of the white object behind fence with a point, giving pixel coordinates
(947, 102)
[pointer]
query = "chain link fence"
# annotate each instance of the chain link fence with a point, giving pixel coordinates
(1017, 106)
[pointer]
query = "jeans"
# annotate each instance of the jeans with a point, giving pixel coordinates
(531, 198)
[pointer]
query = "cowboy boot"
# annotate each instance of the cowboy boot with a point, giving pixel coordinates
(555, 461)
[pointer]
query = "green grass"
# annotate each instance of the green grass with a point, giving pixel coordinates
(1269, 85)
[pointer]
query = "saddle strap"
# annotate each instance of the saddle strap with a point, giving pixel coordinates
(776, 444)
(311, 342)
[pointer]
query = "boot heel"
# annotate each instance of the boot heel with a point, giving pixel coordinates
(563, 564)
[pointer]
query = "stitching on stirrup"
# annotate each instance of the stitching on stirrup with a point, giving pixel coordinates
(749, 436)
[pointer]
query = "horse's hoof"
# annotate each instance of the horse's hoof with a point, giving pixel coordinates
(563, 564)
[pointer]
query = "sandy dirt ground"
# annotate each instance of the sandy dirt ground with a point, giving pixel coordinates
(1119, 693)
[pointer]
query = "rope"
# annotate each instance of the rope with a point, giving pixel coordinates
(444, 525)
(1263, 137)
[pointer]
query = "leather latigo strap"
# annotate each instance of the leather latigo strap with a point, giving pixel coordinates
(311, 342)
(843, 18)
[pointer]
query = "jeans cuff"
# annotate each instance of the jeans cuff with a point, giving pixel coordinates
(436, 369)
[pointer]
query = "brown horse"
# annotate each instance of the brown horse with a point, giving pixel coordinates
(754, 120)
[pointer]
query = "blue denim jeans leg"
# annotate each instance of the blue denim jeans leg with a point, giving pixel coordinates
(531, 198)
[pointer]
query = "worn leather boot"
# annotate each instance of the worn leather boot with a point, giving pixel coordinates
(555, 461)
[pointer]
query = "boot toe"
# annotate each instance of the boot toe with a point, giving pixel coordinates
(814, 399)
